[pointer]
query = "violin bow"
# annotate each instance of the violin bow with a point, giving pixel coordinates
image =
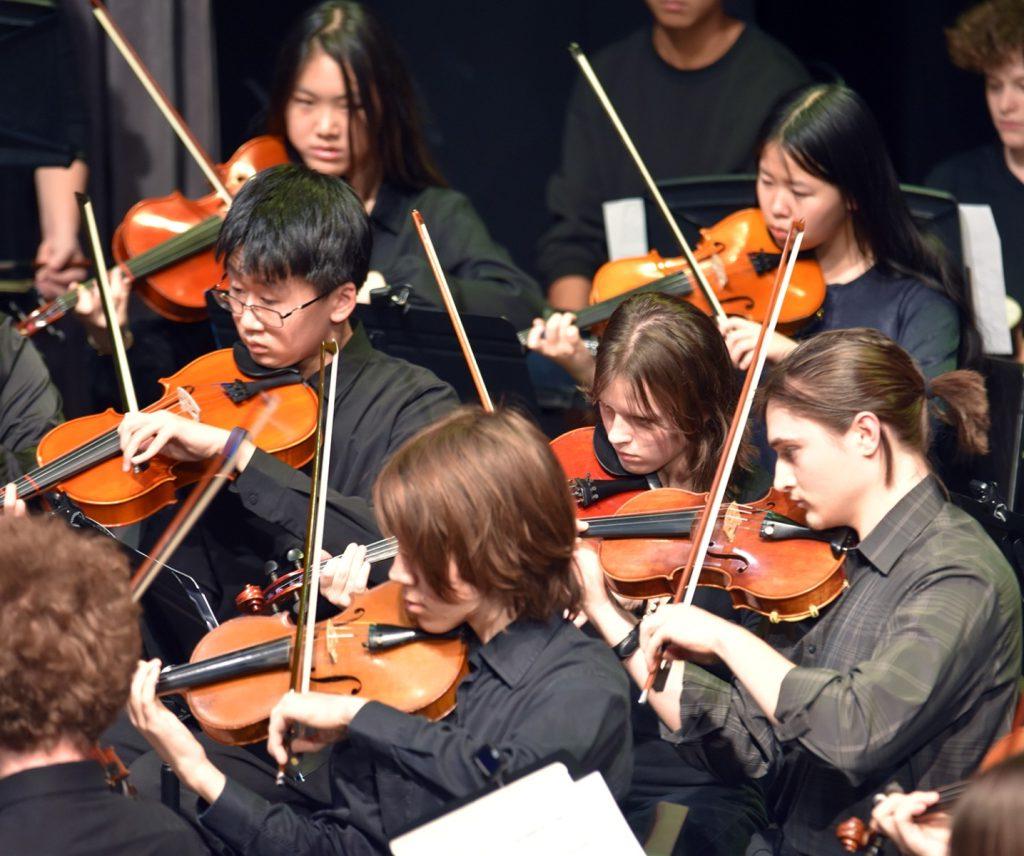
(217, 474)
(124, 375)
(609, 108)
(305, 630)
(687, 585)
(173, 117)
(453, 312)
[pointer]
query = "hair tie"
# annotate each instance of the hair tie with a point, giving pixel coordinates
(928, 391)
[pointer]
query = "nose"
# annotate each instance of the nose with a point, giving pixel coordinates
(618, 431)
(779, 203)
(248, 319)
(328, 121)
(400, 574)
(1006, 101)
(784, 479)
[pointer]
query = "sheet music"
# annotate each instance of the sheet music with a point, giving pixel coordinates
(983, 256)
(543, 813)
(625, 228)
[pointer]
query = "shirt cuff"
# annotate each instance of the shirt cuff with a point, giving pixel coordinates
(378, 728)
(703, 705)
(236, 816)
(261, 484)
(800, 688)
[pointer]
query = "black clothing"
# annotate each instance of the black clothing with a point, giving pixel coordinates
(910, 676)
(29, 403)
(68, 809)
(981, 177)
(481, 274)
(381, 402)
(536, 688)
(683, 123)
(922, 320)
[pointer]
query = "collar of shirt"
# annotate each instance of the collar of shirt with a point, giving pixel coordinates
(390, 210)
(513, 651)
(905, 521)
(356, 353)
(51, 779)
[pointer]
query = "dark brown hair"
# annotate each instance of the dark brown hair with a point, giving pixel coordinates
(987, 36)
(484, 490)
(833, 376)
(989, 818)
(675, 363)
(71, 634)
(353, 37)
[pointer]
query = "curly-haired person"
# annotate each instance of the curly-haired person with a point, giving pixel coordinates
(989, 40)
(70, 645)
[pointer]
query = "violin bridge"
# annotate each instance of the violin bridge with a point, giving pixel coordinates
(187, 405)
(731, 521)
(334, 633)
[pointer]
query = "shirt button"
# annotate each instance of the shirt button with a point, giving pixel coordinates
(253, 497)
(812, 649)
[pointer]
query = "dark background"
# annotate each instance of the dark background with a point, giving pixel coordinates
(494, 79)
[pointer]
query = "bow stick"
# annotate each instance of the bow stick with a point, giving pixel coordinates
(687, 585)
(173, 117)
(453, 312)
(602, 96)
(305, 630)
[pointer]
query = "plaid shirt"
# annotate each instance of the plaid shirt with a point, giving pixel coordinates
(909, 676)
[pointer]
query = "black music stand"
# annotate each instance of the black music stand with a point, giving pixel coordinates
(424, 336)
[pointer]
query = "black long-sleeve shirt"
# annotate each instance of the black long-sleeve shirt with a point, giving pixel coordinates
(684, 123)
(537, 688)
(483, 278)
(68, 809)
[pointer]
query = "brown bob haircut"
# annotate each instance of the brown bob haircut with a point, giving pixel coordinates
(835, 375)
(987, 36)
(71, 634)
(484, 490)
(675, 362)
(989, 819)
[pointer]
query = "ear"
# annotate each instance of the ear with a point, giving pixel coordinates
(342, 302)
(865, 434)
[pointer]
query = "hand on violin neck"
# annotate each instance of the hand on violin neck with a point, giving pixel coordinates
(13, 507)
(169, 736)
(322, 718)
(741, 339)
(144, 435)
(559, 340)
(345, 575)
(903, 818)
(610, 619)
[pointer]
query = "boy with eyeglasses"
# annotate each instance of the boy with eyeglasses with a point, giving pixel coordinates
(294, 244)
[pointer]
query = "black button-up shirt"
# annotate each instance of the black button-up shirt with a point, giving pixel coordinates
(483, 278)
(909, 676)
(537, 688)
(68, 809)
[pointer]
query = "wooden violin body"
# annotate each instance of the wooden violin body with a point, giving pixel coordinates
(82, 457)
(240, 670)
(596, 491)
(165, 245)
(739, 258)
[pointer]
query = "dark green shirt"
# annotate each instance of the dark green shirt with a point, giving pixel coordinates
(909, 676)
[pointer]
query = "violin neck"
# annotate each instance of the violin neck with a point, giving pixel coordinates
(678, 284)
(657, 524)
(236, 664)
(78, 460)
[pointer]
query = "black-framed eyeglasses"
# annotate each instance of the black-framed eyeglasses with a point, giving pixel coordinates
(264, 314)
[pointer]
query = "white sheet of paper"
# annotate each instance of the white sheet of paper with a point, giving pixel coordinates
(625, 228)
(983, 256)
(543, 813)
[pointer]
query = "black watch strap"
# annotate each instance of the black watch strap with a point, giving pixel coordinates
(624, 650)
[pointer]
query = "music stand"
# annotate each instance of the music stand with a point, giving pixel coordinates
(424, 336)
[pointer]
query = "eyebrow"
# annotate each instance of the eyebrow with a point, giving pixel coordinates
(780, 441)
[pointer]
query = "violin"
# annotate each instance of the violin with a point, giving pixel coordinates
(740, 257)
(594, 496)
(165, 245)
(82, 457)
(856, 836)
(240, 670)
(761, 553)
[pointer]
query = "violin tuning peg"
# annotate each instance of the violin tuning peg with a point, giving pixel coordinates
(294, 556)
